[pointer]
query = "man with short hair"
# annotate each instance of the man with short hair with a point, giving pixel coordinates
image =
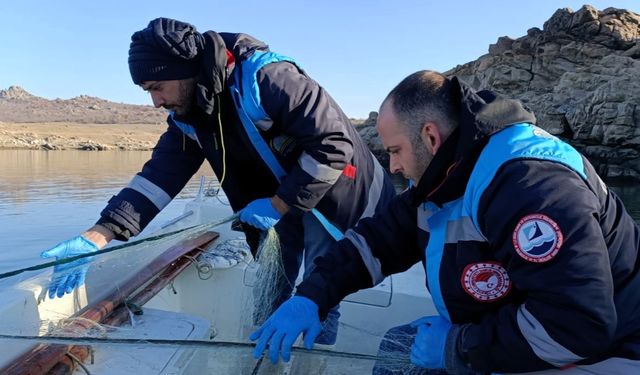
(284, 152)
(531, 261)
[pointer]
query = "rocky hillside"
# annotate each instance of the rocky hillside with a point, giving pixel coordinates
(581, 76)
(19, 106)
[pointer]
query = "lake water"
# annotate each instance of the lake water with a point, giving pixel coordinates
(48, 197)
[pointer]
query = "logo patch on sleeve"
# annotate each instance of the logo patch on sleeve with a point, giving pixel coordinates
(486, 281)
(537, 238)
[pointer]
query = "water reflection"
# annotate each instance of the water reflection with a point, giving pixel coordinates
(30, 175)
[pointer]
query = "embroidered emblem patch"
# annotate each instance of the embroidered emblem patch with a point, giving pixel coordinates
(537, 238)
(486, 281)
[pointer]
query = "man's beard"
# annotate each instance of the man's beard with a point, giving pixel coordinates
(422, 159)
(186, 97)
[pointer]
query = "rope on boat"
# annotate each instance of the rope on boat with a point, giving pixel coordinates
(197, 344)
(256, 368)
(195, 229)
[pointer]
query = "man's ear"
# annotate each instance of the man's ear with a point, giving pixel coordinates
(431, 136)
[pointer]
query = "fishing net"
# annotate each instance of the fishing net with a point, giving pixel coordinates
(269, 277)
(183, 301)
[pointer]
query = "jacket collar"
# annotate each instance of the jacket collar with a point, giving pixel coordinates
(214, 77)
(481, 113)
(213, 72)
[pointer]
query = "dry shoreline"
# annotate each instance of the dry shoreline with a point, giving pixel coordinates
(73, 136)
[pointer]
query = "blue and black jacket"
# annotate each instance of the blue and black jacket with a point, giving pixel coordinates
(526, 251)
(266, 128)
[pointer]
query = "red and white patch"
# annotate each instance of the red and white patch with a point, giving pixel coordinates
(537, 238)
(486, 281)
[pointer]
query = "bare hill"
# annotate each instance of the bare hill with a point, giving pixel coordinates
(19, 106)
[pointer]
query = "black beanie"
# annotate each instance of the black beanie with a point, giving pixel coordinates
(165, 50)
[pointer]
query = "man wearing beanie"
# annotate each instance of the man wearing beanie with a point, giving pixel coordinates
(284, 152)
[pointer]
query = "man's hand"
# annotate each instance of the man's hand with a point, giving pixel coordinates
(428, 348)
(295, 316)
(261, 213)
(68, 276)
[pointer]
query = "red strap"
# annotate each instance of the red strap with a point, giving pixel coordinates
(349, 171)
(230, 59)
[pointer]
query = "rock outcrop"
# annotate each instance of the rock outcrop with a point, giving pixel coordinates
(581, 76)
(15, 92)
(367, 130)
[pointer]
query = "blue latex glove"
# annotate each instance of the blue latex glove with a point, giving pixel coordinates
(68, 276)
(295, 316)
(428, 348)
(260, 213)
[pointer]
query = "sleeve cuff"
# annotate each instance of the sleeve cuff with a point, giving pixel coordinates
(453, 362)
(121, 235)
(314, 294)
